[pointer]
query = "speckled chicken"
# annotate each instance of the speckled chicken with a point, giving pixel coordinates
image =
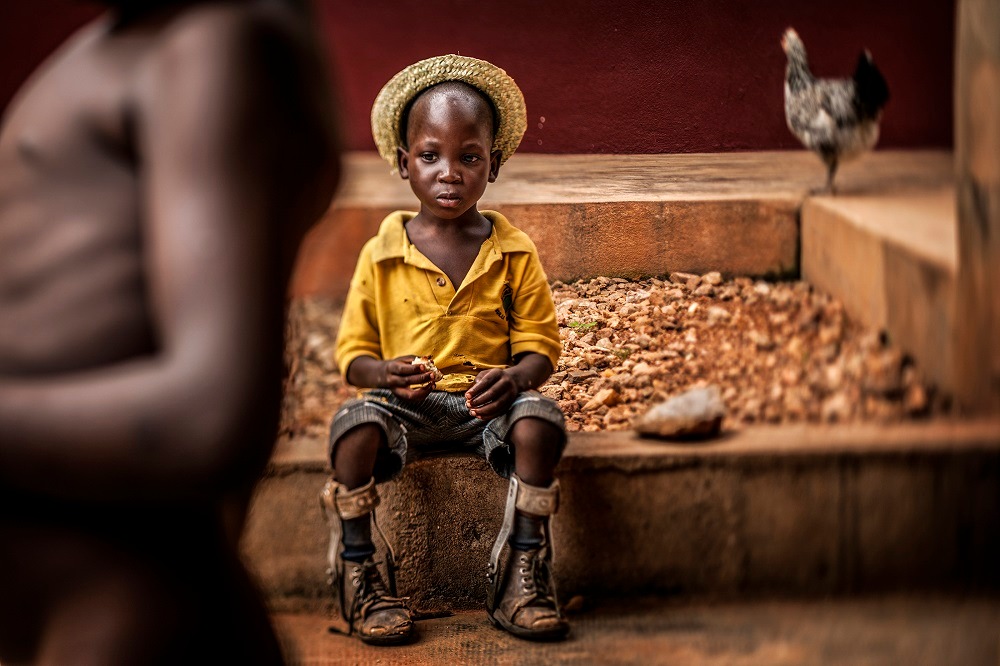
(836, 118)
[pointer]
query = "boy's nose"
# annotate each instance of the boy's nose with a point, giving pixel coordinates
(449, 174)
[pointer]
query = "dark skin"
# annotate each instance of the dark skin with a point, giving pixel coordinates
(448, 162)
(147, 232)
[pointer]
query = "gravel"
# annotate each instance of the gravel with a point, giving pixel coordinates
(779, 352)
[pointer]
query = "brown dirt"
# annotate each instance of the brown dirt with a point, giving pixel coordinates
(778, 351)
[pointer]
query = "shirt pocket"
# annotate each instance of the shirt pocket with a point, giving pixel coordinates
(491, 304)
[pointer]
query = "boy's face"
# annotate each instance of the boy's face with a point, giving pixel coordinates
(448, 162)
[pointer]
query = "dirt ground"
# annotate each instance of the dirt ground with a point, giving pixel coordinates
(778, 351)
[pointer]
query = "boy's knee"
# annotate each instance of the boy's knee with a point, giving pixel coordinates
(366, 437)
(537, 435)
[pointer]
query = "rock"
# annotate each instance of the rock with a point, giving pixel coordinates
(642, 368)
(727, 293)
(616, 415)
(714, 278)
(552, 391)
(836, 408)
(582, 375)
(704, 290)
(568, 407)
(694, 413)
(717, 315)
(760, 340)
(880, 409)
(683, 278)
(915, 400)
(604, 398)
(831, 334)
(795, 348)
(833, 377)
(884, 372)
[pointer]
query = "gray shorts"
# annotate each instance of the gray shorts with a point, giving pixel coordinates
(440, 425)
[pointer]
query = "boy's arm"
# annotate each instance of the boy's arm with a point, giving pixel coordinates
(534, 342)
(223, 202)
(359, 349)
(397, 375)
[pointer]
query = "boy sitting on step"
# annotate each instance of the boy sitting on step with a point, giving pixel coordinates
(453, 289)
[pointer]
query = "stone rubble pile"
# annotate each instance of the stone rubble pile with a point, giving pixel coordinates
(778, 351)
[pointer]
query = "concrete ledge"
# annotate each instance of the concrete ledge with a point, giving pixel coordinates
(624, 215)
(891, 258)
(789, 510)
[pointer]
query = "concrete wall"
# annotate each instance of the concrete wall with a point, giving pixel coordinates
(603, 76)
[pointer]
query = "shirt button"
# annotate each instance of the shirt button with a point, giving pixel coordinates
(441, 282)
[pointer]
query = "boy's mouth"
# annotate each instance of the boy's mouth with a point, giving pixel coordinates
(448, 199)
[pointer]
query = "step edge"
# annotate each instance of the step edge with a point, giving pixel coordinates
(625, 450)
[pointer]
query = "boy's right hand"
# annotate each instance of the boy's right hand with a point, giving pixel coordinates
(399, 374)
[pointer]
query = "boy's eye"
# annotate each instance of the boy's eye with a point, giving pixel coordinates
(471, 158)
(428, 157)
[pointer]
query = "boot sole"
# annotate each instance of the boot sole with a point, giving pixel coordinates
(556, 634)
(395, 639)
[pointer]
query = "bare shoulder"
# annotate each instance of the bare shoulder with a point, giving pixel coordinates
(235, 28)
(252, 42)
(248, 78)
(249, 56)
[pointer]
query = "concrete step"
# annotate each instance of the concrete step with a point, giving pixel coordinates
(800, 510)
(626, 215)
(891, 257)
(892, 630)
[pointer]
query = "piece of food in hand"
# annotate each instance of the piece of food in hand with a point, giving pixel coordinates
(428, 363)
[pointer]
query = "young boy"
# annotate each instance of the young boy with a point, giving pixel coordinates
(159, 171)
(453, 289)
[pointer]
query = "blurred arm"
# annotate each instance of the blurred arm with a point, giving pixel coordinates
(236, 164)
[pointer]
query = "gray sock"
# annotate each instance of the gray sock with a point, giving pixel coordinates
(358, 544)
(528, 532)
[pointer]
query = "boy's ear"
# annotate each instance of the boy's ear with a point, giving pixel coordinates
(403, 163)
(494, 165)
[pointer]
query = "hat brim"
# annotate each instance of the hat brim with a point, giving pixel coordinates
(401, 89)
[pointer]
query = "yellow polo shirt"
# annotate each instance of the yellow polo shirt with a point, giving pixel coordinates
(400, 303)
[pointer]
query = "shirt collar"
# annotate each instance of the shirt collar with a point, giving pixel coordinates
(391, 241)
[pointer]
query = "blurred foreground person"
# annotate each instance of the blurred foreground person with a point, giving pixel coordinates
(156, 176)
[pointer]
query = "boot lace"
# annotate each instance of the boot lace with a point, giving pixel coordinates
(371, 593)
(535, 576)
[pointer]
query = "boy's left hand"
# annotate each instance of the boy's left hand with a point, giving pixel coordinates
(492, 393)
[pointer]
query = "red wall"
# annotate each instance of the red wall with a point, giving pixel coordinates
(622, 76)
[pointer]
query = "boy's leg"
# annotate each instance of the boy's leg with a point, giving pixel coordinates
(526, 604)
(353, 465)
(350, 498)
(537, 450)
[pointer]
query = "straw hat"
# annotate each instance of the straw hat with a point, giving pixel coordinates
(407, 84)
